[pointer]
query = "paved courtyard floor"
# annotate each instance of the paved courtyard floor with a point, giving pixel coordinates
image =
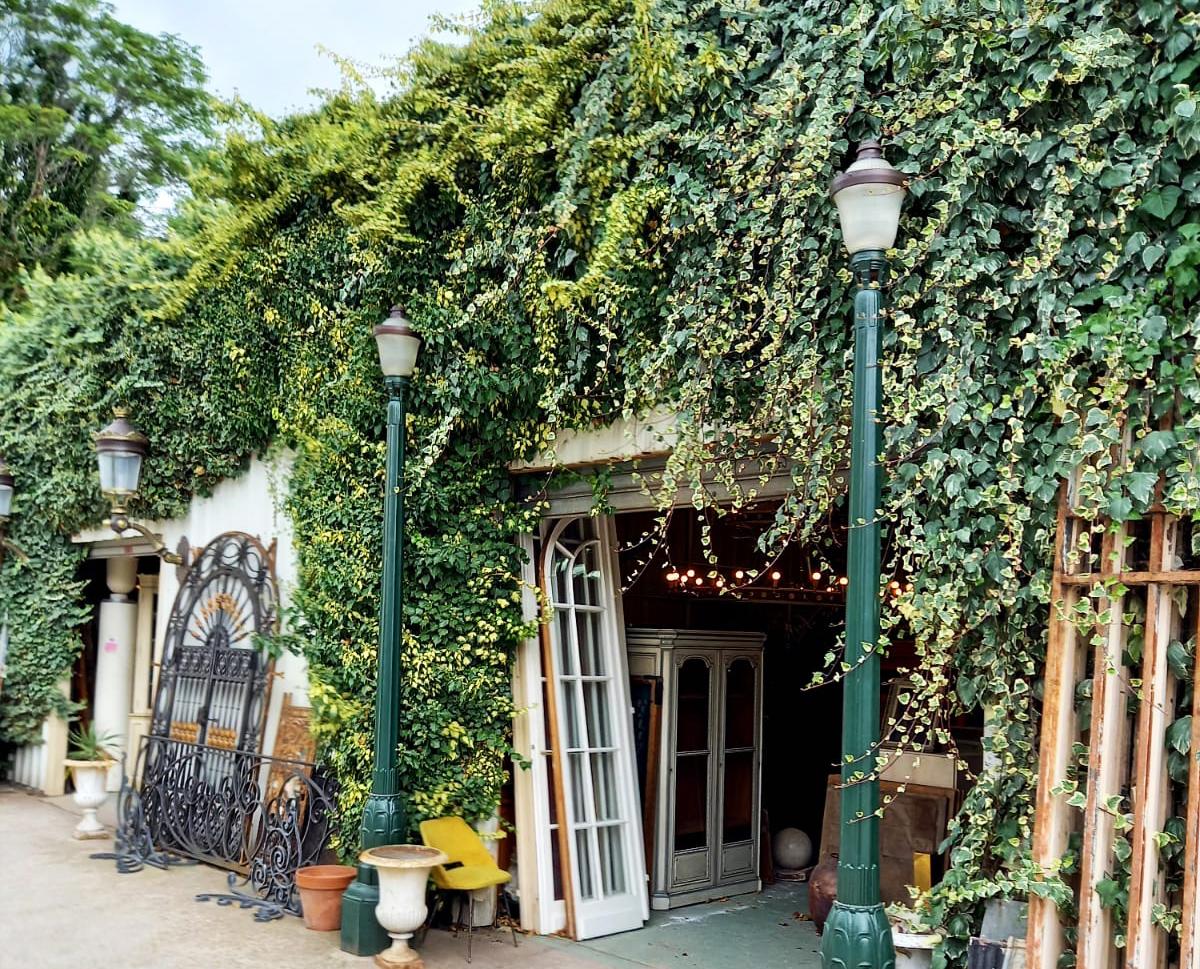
(60, 909)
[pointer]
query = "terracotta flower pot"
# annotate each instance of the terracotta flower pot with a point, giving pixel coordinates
(321, 888)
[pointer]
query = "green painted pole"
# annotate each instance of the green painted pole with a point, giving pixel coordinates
(384, 820)
(857, 934)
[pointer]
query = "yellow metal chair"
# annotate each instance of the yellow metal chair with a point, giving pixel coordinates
(471, 867)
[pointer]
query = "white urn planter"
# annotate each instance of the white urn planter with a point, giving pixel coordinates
(914, 950)
(403, 875)
(90, 777)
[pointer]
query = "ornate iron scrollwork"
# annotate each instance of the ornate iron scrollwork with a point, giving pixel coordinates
(262, 817)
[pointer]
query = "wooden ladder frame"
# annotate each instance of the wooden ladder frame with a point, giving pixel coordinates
(1127, 755)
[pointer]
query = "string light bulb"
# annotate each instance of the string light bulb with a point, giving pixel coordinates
(672, 576)
(739, 575)
(843, 581)
(816, 576)
(691, 573)
(776, 576)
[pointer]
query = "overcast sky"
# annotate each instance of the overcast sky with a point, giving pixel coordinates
(266, 50)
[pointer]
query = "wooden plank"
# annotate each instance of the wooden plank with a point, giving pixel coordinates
(1147, 942)
(1052, 822)
(560, 798)
(1106, 742)
(1159, 576)
(1189, 941)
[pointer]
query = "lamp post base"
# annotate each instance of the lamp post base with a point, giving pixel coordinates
(384, 823)
(362, 935)
(857, 937)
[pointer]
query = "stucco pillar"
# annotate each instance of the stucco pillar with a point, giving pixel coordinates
(116, 643)
(142, 698)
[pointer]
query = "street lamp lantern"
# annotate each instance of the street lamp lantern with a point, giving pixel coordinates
(868, 195)
(398, 345)
(6, 491)
(120, 448)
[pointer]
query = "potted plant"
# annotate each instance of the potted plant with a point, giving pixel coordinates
(90, 759)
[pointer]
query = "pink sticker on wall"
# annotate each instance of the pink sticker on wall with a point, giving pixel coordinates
(111, 646)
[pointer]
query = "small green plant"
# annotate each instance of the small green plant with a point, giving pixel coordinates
(86, 744)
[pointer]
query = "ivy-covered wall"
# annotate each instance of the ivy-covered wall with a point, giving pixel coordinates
(591, 208)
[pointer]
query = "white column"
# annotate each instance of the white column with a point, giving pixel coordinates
(140, 706)
(115, 647)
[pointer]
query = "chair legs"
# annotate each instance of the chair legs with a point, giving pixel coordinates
(512, 925)
(470, 924)
(503, 900)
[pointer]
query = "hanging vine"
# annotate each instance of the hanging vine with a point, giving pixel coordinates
(596, 210)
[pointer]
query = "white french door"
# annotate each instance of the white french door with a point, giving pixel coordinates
(595, 731)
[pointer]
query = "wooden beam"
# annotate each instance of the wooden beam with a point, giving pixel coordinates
(1052, 823)
(1189, 939)
(1146, 942)
(549, 668)
(1107, 739)
(1157, 576)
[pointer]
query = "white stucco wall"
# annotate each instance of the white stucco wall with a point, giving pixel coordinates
(251, 503)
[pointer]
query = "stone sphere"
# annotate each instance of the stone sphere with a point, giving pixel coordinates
(792, 848)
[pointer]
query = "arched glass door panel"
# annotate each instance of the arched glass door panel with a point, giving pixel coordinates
(594, 728)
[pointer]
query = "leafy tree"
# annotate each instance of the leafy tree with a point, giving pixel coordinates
(94, 117)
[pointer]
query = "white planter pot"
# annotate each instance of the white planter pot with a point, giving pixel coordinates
(914, 951)
(90, 777)
(403, 874)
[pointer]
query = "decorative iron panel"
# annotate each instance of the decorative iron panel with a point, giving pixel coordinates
(262, 817)
(213, 683)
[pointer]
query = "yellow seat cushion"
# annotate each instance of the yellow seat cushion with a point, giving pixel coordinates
(469, 878)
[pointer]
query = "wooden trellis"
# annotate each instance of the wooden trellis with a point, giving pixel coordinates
(1124, 597)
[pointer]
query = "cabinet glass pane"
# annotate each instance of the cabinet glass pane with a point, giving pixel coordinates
(566, 655)
(591, 646)
(579, 788)
(583, 855)
(604, 783)
(599, 722)
(739, 797)
(739, 704)
(571, 715)
(612, 860)
(691, 802)
(691, 730)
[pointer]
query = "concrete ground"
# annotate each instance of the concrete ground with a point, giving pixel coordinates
(769, 930)
(61, 909)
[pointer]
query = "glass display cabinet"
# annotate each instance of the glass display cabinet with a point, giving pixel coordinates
(707, 816)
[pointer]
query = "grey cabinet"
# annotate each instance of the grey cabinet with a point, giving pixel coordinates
(706, 828)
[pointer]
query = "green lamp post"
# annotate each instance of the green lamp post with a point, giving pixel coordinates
(383, 820)
(857, 935)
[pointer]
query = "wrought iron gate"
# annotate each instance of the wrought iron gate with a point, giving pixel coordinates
(1118, 800)
(204, 791)
(200, 783)
(213, 685)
